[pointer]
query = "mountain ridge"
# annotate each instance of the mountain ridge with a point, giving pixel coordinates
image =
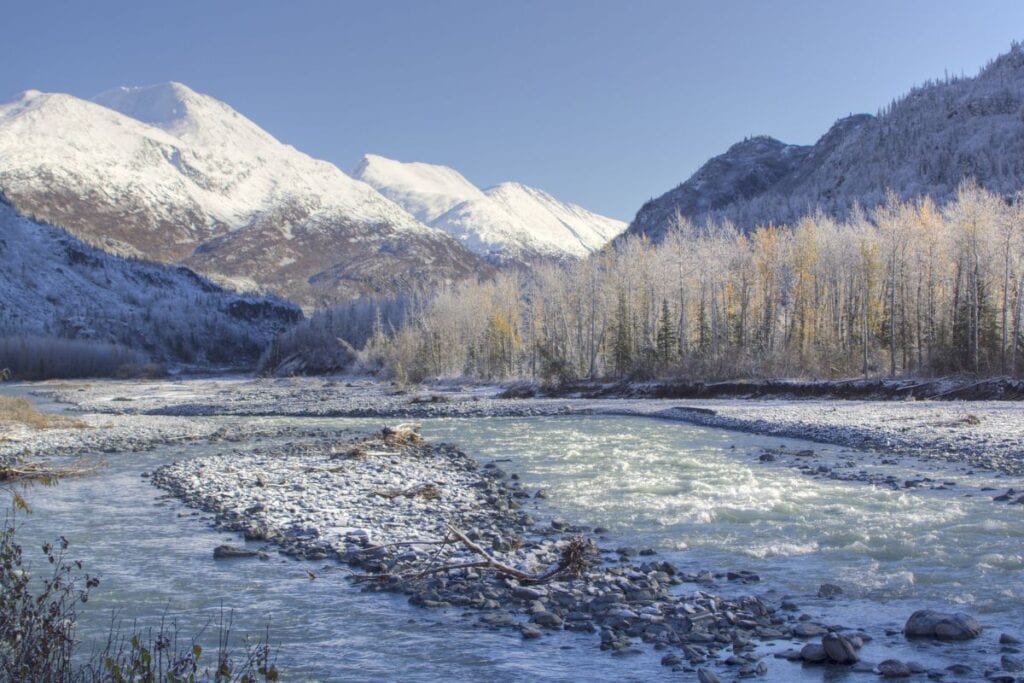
(195, 182)
(925, 143)
(54, 285)
(507, 223)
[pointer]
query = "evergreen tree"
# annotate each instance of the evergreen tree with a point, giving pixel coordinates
(666, 339)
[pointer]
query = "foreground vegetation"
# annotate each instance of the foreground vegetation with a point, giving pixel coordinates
(18, 410)
(39, 619)
(909, 289)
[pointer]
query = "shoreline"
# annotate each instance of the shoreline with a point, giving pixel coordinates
(884, 389)
(620, 625)
(337, 503)
(978, 434)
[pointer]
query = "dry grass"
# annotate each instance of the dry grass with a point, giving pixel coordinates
(20, 411)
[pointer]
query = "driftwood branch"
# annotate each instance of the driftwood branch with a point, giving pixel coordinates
(571, 563)
(42, 471)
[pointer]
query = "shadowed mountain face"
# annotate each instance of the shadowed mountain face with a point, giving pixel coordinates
(165, 173)
(926, 143)
(54, 285)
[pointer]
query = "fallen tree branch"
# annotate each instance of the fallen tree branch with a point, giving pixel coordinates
(571, 563)
(42, 471)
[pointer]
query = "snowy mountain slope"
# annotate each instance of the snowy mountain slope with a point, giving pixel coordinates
(925, 143)
(169, 174)
(54, 285)
(508, 222)
(425, 190)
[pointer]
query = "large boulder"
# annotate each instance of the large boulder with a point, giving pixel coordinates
(839, 649)
(926, 623)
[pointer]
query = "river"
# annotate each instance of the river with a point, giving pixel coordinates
(698, 495)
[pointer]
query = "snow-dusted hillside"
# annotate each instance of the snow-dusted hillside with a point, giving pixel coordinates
(54, 285)
(506, 223)
(170, 174)
(427, 191)
(925, 143)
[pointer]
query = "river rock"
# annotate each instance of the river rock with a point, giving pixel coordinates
(808, 630)
(829, 590)
(529, 632)
(839, 649)
(1012, 663)
(926, 623)
(547, 619)
(707, 676)
(1007, 639)
(893, 668)
(671, 660)
(813, 653)
(230, 552)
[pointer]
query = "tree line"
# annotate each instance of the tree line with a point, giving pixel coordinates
(906, 289)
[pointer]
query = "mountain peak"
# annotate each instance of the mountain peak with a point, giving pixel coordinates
(509, 222)
(161, 104)
(425, 190)
(924, 143)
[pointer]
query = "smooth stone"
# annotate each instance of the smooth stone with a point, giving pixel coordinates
(530, 632)
(707, 676)
(527, 593)
(813, 652)
(547, 619)
(1012, 663)
(808, 630)
(789, 655)
(230, 552)
(928, 623)
(893, 668)
(839, 648)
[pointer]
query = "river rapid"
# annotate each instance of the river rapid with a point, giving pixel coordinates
(699, 496)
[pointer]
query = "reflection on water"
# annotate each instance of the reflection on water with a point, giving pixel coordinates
(696, 493)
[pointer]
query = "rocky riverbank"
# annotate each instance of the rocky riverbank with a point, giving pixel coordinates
(979, 434)
(383, 505)
(928, 389)
(325, 497)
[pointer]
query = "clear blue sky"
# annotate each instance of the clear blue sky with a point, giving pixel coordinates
(601, 103)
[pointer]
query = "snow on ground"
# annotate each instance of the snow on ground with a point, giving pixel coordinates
(985, 434)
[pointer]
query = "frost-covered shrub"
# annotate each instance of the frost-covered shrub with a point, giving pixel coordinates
(38, 358)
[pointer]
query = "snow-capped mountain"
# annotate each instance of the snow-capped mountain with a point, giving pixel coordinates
(509, 222)
(169, 174)
(56, 286)
(925, 143)
(427, 191)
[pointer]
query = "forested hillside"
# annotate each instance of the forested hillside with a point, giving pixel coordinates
(54, 286)
(908, 288)
(922, 144)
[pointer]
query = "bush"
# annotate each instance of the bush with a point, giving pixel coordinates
(38, 619)
(37, 629)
